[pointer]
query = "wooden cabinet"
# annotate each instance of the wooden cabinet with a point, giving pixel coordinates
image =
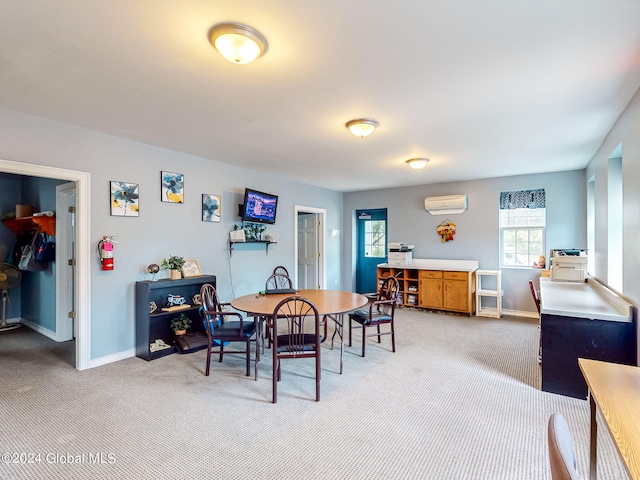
(156, 326)
(430, 289)
(455, 288)
(437, 289)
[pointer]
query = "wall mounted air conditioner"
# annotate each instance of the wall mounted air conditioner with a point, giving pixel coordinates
(446, 204)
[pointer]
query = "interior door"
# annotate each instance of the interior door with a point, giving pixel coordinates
(66, 262)
(308, 256)
(371, 239)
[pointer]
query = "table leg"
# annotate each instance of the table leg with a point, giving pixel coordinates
(338, 320)
(593, 445)
(341, 317)
(259, 343)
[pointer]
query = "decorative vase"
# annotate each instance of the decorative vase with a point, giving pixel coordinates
(176, 275)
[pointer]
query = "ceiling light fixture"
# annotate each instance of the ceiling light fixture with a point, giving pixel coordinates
(362, 127)
(417, 163)
(238, 43)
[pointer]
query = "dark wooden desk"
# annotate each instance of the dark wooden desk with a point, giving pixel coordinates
(332, 303)
(582, 320)
(615, 390)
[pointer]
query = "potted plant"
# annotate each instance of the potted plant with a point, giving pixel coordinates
(180, 324)
(174, 264)
(253, 231)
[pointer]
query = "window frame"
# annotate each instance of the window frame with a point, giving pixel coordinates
(369, 244)
(517, 229)
(522, 211)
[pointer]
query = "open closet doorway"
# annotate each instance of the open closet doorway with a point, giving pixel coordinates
(309, 247)
(82, 284)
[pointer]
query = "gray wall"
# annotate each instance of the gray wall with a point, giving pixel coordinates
(477, 229)
(626, 131)
(164, 229)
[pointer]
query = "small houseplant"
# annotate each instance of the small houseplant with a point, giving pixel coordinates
(174, 264)
(180, 324)
(253, 231)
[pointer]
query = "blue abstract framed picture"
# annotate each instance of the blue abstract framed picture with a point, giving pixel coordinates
(172, 188)
(210, 208)
(124, 199)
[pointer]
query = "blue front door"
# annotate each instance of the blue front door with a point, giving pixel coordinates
(371, 237)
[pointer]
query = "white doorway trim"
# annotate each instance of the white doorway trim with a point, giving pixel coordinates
(322, 264)
(83, 250)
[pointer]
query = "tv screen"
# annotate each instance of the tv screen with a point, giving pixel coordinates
(259, 207)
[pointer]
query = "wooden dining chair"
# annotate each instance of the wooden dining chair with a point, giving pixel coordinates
(536, 299)
(534, 293)
(380, 312)
(295, 334)
(278, 280)
(225, 326)
(562, 457)
(274, 282)
(280, 270)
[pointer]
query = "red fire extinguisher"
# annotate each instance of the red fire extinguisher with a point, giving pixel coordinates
(105, 252)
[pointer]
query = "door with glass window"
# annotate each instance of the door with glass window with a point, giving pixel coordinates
(371, 238)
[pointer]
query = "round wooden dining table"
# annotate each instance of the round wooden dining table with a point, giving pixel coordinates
(330, 303)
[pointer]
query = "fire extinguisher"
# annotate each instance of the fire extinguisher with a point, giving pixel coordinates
(105, 252)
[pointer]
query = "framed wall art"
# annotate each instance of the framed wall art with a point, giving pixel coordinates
(191, 268)
(210, 208)
(124, 199)
(172, 187)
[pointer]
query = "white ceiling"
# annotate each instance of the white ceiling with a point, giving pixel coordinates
(483, 88)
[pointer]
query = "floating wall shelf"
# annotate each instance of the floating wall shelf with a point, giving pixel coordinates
(266, 244)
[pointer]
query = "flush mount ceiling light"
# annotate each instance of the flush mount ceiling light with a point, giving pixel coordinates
(362, 127)
(238, 43)
(417, 163)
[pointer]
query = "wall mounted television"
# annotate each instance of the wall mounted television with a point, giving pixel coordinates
(259, 207)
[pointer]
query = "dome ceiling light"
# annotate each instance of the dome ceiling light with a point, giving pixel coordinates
(362, 127)
(417, 163)
(238, 43)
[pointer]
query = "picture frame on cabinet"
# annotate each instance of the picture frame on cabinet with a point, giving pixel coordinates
(191, 268)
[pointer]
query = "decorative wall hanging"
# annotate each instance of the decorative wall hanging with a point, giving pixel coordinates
(124, 199)
(172, 187)
(210, 208)
(447, 230)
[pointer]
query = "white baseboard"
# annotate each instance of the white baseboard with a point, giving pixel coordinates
(520, 313)
(114, 357)
(39, 328)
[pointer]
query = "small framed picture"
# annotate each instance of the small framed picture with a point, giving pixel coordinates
(124, 199)
(210, 208)
(191, 268)
(172, 187)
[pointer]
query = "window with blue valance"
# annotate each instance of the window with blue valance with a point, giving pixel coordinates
(522, 199)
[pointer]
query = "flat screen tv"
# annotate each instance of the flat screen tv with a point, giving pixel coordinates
(259, 207)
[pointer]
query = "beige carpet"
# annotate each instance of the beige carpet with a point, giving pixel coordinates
(459, 399)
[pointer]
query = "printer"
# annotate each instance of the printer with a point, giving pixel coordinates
(569, 265)
(400, 254)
